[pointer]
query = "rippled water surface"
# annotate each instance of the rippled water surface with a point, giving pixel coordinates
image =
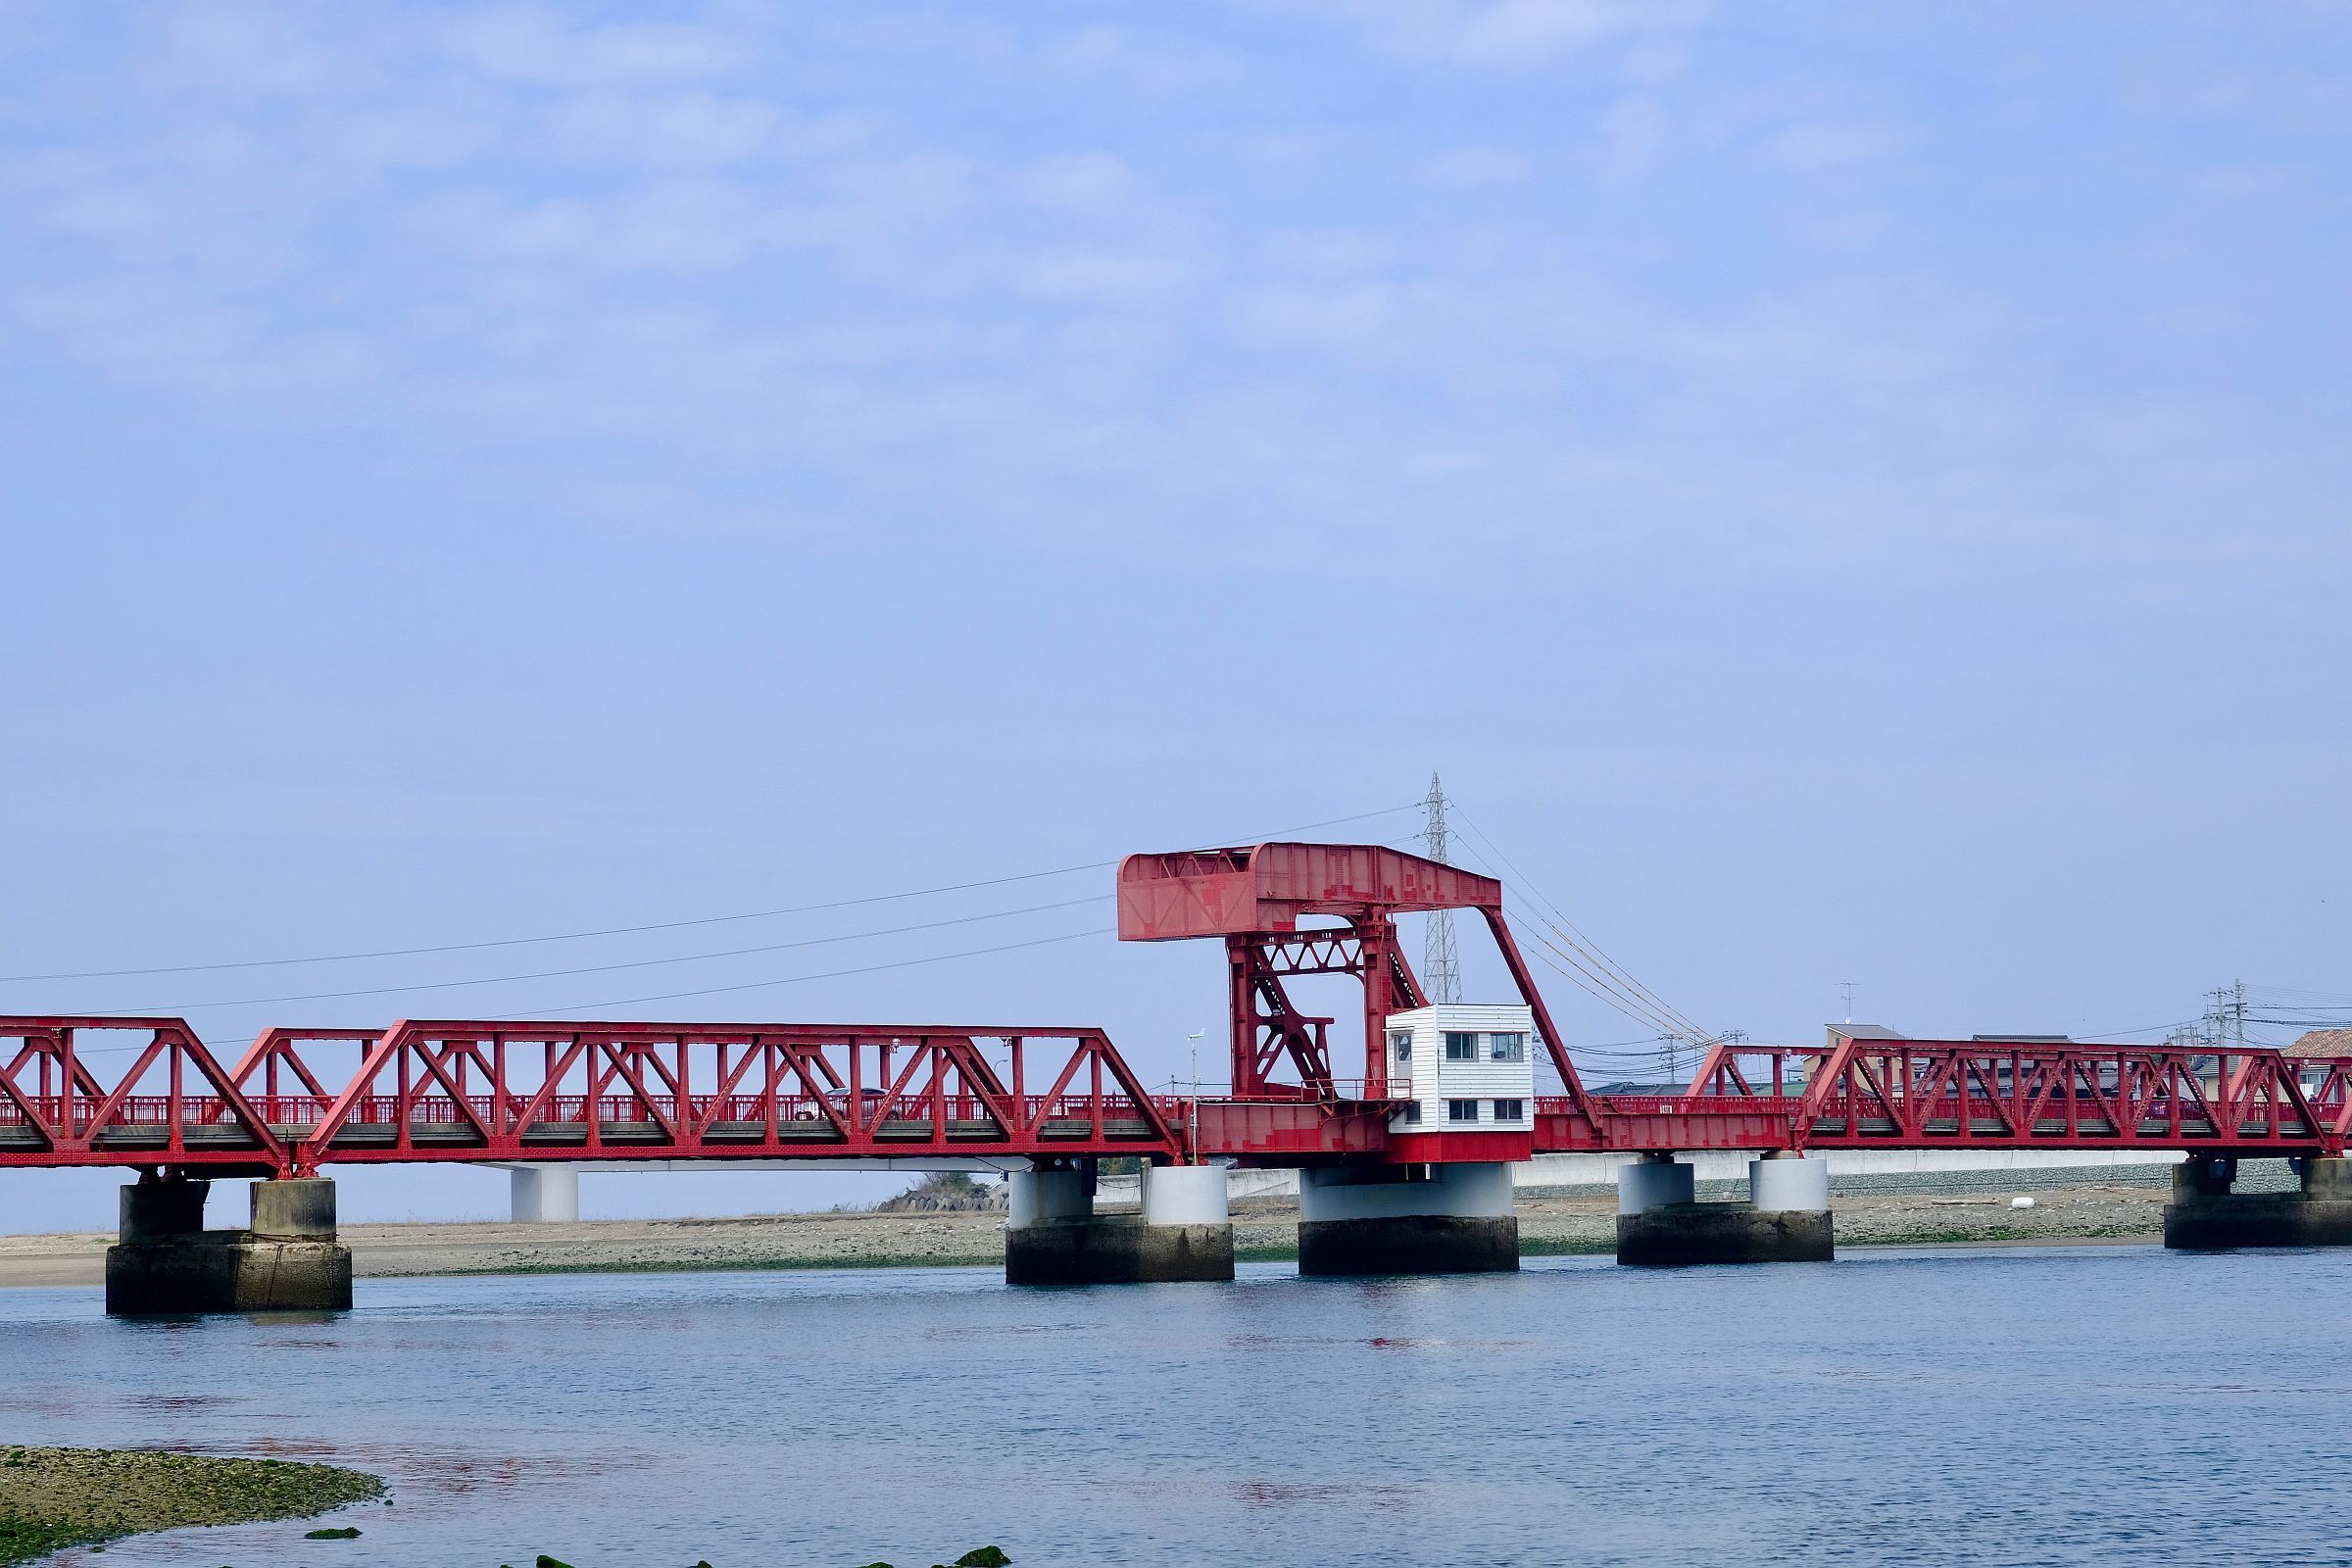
(2079, 1405)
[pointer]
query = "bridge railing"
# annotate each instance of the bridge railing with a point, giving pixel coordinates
(1667, 1104)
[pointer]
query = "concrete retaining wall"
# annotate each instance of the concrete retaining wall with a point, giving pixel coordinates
(1851, 1170)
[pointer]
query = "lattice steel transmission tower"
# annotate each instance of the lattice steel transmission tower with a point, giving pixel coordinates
(1441, 961)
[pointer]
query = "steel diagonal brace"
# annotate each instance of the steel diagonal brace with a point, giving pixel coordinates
(624, 1063)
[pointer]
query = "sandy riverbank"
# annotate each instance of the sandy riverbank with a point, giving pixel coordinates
(1261, 1230)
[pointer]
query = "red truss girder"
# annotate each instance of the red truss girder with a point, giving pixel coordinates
(144, 1093)
(66, 1099)
(2332, 1097)
(1927, 1093)
(299, 1100)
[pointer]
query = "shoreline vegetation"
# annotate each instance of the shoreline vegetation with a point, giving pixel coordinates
(52, 1498)
(1265, 1230)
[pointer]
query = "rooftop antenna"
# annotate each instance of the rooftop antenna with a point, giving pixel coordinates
(1441, 961)
(1849, 988)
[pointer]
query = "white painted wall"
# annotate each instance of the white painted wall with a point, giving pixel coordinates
(1435, 1080)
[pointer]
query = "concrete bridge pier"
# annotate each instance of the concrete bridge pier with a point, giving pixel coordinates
(542, 1195)
(164, 1260)
(2205, 1215)
(1784, 1220)
(1052, 1234)
(1407, 1219)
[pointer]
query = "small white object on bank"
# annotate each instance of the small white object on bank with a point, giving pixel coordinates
(2020, 1203)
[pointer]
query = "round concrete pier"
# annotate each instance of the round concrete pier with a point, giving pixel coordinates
(1789, 1182)
(1444, 1219)
(164, 1262)
(1654, 1179)
(2206, 1217)
(1785, 1220)
(1032, 1195)
(1186, 1195)
(542, 1195)
(1052, 1234)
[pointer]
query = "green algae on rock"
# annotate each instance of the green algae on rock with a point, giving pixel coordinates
(51, 1498)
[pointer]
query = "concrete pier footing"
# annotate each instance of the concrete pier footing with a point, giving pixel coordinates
(1052, 1234)
(165, 1263)
(2205, 1215)
(1786, 1219)
(1432, 1219)
(542, 1195)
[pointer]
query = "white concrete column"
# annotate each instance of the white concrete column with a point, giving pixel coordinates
(1035, 1196)
(1653, 1180)
(542, 1195)
(1349, 1192)
(1784, 1181)
(1186, 1195)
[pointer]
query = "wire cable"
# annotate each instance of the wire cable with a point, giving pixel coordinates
(1593, 981)
(798, 979)
(1576, 938)
(174, 1010)
(664, 925)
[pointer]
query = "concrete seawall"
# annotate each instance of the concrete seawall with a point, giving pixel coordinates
(1861, 1169)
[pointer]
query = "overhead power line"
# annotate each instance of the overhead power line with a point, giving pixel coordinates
(1584, 967)
(798, 979)
(1567, 930)
(1583, 978)
(178, 1007)
(661, 925)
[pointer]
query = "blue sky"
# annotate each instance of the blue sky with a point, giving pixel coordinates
(1841, 494)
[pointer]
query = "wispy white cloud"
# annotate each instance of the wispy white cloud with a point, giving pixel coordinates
(246, 49)
(543, 46)
(1078, 180)
(690, 128)
(1588, 329)
(1503, 32)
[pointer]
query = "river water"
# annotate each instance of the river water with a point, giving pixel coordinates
(2062, 1405)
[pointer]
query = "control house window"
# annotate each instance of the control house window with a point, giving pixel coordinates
(1461, 1110)
(1507, 1046)
(1461, 1045)
(1509, 1110)
(1400, 1041)
(1412, 1111)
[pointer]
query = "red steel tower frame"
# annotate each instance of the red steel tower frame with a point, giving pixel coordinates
(1254, 898)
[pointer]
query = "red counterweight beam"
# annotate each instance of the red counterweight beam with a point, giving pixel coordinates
(1254, 897)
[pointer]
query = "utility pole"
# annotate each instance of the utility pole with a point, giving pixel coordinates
(1441, 961)
(2228, 1014)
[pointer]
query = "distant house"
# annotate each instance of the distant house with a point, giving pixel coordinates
(2322, 1043)
(2319, 1044)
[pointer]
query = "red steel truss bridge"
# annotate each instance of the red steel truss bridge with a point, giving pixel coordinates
(148, 1093)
